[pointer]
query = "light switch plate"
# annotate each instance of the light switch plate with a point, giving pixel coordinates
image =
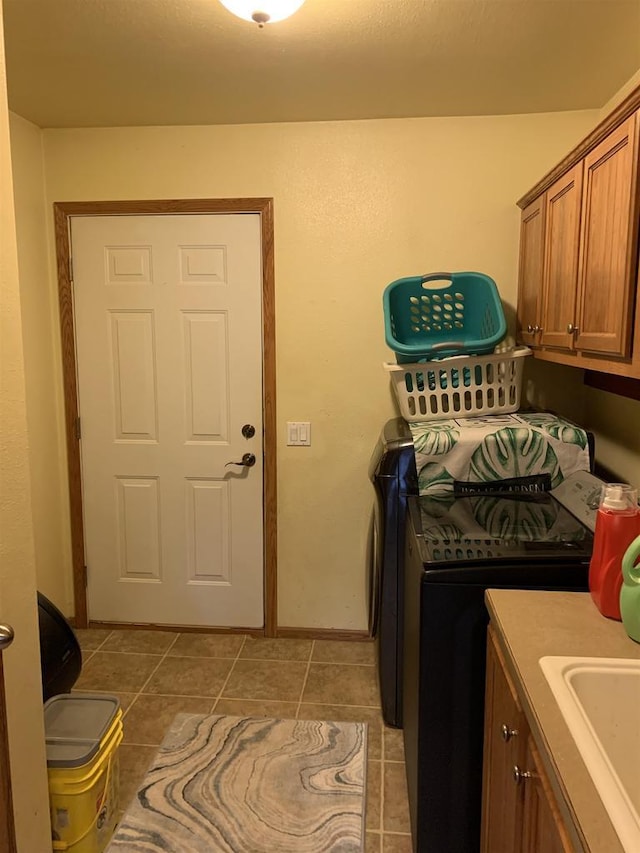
(299, 433)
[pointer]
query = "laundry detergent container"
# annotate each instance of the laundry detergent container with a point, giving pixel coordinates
(83, 733)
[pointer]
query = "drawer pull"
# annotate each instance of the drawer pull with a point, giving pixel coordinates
(520, 775)
(507, 732)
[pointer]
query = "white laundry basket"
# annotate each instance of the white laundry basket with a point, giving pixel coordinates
(459, 387)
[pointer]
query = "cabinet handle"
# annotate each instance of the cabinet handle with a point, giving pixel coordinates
(533, 330)
(507, 732)
(572, 330)
(537, 329)
(530, 329)
(520, 775)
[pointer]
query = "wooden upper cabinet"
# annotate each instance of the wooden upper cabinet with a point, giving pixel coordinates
(530, 272)
(608, 252)
(587, 209)
(562, 239)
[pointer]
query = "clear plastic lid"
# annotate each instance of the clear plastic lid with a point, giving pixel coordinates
(620, 497)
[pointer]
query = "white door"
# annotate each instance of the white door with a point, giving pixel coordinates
(169, 353)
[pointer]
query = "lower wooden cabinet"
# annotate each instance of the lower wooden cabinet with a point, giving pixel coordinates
(542, 827)
(519, 811)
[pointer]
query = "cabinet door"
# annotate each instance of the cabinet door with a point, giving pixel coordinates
(530, 272)
(504, 745)
(608, 255)
(562, 239)
(542, 828)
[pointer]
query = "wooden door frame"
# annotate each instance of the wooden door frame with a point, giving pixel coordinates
(7, 825)
(63, 211)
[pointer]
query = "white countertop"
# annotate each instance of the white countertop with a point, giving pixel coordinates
(531, 624)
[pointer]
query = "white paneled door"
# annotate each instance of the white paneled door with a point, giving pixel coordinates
(169, 354)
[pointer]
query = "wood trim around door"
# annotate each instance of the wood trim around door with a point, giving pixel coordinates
(7, 827)
(63, 211)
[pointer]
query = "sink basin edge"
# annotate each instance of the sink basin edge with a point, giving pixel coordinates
(579, 681)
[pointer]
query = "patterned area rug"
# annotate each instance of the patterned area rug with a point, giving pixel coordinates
(250, 785)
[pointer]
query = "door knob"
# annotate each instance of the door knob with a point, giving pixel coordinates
(530, 329)
(247, 461)
(248, 430)
(6, 636)
(572, 330)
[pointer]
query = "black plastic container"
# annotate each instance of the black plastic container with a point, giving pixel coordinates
(60, 655)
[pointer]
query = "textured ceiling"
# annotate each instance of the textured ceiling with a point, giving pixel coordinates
(82, 63)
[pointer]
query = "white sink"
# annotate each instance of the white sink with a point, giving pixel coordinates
(600, 701)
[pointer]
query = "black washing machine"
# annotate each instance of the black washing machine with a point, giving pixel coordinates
(393, 473)
(457, 548)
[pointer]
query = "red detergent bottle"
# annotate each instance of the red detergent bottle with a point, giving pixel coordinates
(617, 525)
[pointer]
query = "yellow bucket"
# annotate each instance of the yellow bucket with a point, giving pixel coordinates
(83, 799)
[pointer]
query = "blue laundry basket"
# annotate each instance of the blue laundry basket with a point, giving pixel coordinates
(424, 321)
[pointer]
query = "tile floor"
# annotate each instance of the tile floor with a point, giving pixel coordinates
(158, 674)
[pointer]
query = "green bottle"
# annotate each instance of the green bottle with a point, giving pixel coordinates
(630, 592)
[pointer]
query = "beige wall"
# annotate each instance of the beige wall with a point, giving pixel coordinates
(620, 95)
(615, 422)
(357, 204)
(556, 388)
(17, 568)
(41, 351)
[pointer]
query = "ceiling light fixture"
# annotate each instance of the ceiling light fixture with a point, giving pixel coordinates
(262, 11)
